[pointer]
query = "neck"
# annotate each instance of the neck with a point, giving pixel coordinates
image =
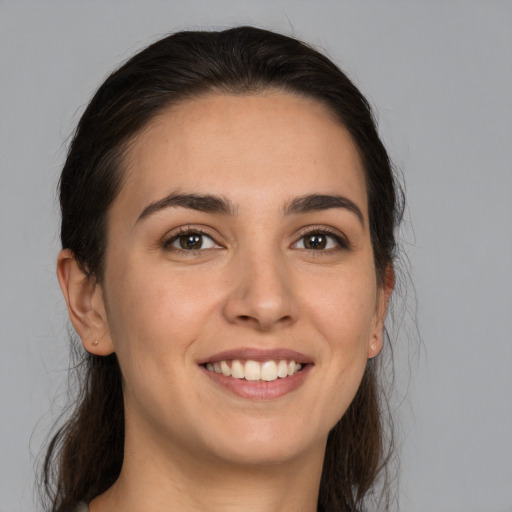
(164, 481)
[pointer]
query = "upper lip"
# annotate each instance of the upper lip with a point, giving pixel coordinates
(258, 354)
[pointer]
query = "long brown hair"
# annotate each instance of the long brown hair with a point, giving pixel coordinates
(85, 456)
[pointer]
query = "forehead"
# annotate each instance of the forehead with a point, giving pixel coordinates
(244, 146)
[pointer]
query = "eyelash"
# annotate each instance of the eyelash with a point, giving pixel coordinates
(341, 242)
(188, 231)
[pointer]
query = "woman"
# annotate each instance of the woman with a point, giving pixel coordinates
(228, 216)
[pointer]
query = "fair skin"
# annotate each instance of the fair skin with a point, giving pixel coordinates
(275, 264)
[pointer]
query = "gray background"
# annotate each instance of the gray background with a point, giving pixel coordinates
(440, 74)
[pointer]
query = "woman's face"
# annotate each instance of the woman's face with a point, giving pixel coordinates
(239, 244)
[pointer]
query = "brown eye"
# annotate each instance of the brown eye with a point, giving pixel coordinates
(320, 241)
(191, 241)
(315, 241)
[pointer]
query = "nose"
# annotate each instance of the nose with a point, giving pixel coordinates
(261, 294)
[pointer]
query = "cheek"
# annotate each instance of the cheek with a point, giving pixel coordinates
(157, 309)
(155, 318)
(343, 313)
(344, 308)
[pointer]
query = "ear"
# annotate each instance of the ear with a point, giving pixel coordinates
(383, 294)
(86, 308)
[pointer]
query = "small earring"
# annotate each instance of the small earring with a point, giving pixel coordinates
(95, 342)
(373, 348)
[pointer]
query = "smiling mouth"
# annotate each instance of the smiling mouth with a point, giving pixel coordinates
(266, 371)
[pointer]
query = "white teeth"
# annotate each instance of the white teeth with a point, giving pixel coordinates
(237, 369)
(225, 369)
(254, 370)
(268, 371)
(282, 369)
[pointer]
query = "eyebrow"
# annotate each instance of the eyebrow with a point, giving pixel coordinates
(201, 203)
(221, 205)
(319, 202)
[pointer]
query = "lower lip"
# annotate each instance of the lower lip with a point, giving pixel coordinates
(260, 390)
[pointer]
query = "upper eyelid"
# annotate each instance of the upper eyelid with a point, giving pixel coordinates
(318, 229)
(171, 236)
(304, 231)
(335, 233)
(189, 228)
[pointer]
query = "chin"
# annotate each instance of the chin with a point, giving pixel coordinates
(266, 443)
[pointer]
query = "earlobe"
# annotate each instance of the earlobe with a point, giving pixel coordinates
(384, 293)
(84, 299)
(375, 346)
